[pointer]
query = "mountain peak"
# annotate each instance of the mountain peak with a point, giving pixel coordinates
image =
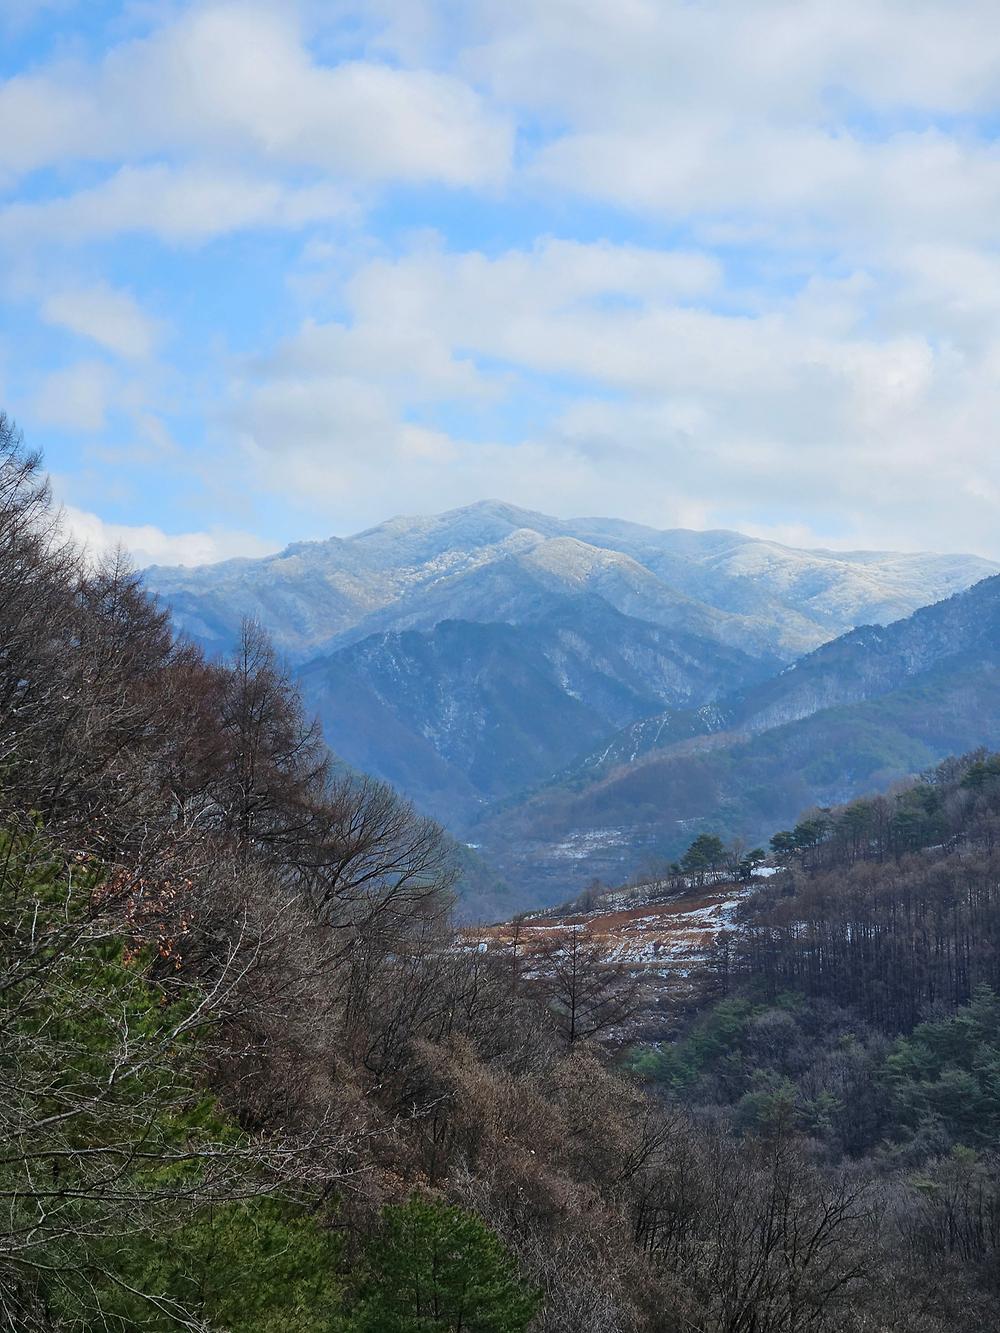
(486, 516)
(490, 559)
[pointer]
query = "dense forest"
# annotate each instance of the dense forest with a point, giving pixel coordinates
(855, 1008)
(889, 905)
(250, 1083)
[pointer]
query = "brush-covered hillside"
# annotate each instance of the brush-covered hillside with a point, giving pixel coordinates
(255, 1080)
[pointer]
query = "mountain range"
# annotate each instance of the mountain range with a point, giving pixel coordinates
(871, 707)
(494, 562)
(568, 693)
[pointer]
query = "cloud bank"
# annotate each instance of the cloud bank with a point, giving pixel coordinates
(724, 264)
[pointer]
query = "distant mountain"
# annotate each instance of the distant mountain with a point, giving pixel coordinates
(873, 706)
(476, 655)
(464, 713)
(493, 562)
(865, 663)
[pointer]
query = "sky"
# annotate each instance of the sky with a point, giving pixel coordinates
(277, 271)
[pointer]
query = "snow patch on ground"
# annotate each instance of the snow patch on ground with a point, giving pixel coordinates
(580, 845)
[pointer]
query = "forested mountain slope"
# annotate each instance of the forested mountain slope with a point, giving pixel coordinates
(876, 705)
(249, 1082)
(846, 994)
(253, 1080)
(862, 664)
(464, 713)
(473, 655)
(855, 999)
(495, 562)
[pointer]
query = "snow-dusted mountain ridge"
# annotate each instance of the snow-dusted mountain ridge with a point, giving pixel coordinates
(491, 561)
(873, 706)
(476, 656)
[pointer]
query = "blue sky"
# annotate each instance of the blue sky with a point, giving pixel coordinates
(273, 271)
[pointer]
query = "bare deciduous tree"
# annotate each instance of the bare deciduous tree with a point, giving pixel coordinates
(589, 994)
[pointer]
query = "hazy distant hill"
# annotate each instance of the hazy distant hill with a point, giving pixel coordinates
(494, 562)
(463, 713)
(476, 655)
(871, 707)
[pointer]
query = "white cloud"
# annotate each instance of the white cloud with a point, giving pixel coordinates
(149, 545)
(184, 205)
(240, 74)
(617, 62)
(42, 121)
(419, 326)
(805, 408)
(818, 119)
(114, 319)
(820, 353)
(232, 80)
(562, 306)
(790, 186)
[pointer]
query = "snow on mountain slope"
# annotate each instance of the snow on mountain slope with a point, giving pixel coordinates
(862, 664)
(663, 939)
(493, 561)
(875, 705)
(466, 712)
(471, 656)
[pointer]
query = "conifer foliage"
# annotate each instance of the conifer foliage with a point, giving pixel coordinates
(253, 1081)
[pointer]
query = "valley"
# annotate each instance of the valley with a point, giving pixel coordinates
(248, 1036)
(860, 713)
(575, 698)
(499, 666)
